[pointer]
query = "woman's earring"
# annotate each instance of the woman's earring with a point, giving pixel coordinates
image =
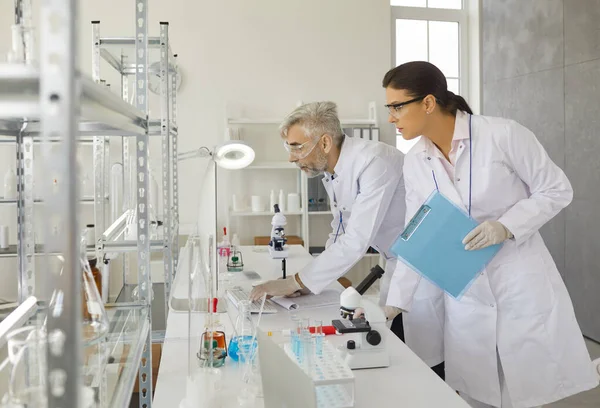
(428, 112)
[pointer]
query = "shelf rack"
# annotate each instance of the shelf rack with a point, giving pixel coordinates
(110, 239)
(55, 104)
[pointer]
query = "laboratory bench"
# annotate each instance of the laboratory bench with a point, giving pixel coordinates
(408, 381)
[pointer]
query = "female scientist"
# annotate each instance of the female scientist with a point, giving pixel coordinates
(512, 340)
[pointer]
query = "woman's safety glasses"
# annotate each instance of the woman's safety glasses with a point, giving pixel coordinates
(396, 108)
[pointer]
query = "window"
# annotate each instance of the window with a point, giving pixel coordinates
(436, 31)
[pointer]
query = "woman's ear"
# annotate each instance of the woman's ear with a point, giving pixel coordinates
(429, 103)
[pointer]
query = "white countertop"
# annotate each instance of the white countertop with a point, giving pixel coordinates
(406, 382)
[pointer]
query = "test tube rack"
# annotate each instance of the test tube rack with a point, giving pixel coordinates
(331, 375)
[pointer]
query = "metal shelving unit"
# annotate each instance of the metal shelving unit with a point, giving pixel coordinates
(56, 105)
(110, 239)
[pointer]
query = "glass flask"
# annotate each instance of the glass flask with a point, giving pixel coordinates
(27, 356)
(241, 341)
(214, 332)
(27, 385)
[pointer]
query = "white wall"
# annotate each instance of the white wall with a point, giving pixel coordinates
(263, 55)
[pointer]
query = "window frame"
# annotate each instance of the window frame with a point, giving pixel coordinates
(469, 42)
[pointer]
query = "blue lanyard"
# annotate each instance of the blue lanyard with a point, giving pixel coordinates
(341, 224)
(470, 167)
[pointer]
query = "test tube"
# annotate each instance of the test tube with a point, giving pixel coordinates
(306, 325)
(319, 338)
(299, 332)
(294, 333)
(308, 350)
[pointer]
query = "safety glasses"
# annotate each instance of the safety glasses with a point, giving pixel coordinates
(395, 108)
(300, 151)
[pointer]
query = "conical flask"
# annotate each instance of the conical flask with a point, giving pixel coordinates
(244, 332)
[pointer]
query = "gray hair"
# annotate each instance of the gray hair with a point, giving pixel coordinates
(316, 119)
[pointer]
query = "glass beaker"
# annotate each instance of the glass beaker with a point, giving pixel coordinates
(27, 355)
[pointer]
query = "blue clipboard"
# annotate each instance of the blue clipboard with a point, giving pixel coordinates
(431, 244)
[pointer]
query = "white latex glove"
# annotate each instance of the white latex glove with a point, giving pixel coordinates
(277, 287)
(391, 312)
(486, 234)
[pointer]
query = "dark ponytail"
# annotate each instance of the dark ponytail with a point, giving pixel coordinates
(421, 78)
(456, 102)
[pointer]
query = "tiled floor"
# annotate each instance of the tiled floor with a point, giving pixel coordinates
(588, 399)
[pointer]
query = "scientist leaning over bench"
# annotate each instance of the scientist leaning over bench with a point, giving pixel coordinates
(365, 186)
(364, 183)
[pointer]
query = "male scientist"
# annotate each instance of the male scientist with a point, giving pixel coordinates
(365, 186)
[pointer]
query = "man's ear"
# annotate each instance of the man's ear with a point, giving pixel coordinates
(327, 141)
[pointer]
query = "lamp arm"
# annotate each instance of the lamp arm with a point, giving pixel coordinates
(201, 152)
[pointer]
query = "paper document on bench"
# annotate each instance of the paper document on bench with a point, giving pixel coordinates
(326, 298)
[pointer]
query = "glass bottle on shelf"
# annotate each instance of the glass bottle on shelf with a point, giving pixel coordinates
(95, 320)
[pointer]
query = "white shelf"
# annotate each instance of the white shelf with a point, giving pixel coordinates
(21, 83)
(39, 200)
(273, 166)
(248, 121)
(261, 214)
(320, 213)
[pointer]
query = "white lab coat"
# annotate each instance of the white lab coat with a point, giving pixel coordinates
(519, 307)
(368, 189)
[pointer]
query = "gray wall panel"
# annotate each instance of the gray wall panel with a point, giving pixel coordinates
(537, 102)
(583, 260)
(521, 37)
(582, 31)
(541, 67)
(582, 127)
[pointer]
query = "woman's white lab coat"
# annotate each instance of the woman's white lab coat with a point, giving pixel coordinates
(518, 308)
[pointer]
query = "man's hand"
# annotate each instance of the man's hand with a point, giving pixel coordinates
(301, 292)
(277, 287)
(486, 234)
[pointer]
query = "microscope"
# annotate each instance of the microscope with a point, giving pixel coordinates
(366, 318)
(277, 244)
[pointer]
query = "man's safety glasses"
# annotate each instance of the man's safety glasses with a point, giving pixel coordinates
(300, 151)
